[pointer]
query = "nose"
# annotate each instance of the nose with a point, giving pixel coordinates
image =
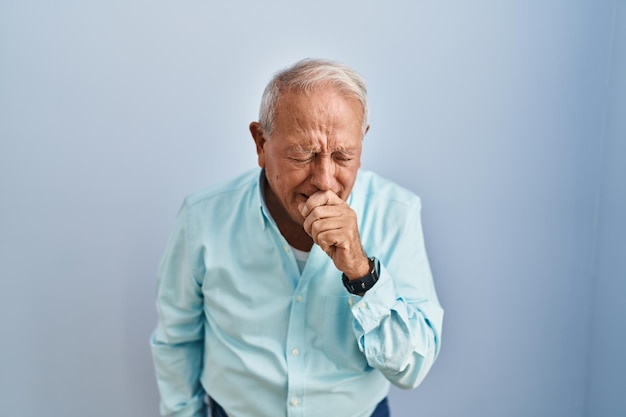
(323, 173)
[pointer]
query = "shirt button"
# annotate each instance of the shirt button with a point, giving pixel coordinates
(286, 248)
(295, 352)
(350, 302)
(362, 306)
(299, 298)
(295, 402)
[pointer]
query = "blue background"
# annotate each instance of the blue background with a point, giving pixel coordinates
(506, 117)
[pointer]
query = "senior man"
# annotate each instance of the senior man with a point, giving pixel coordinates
(301, 288)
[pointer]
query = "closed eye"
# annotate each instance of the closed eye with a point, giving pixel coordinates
(343, 157)
(302, 159)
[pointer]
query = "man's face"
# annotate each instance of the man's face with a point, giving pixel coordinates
(315, 146)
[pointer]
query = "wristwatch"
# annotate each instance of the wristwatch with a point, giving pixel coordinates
(361, 285)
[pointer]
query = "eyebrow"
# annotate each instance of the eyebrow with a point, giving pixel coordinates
(304, 149)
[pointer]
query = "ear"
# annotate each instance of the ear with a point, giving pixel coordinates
(367, 129)
(259, 139)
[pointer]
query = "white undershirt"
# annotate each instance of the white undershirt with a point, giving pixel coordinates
(301, 257)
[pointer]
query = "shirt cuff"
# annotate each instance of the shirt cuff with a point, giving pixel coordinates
(376, 304)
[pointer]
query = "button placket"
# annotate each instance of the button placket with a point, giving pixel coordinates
(294, 354)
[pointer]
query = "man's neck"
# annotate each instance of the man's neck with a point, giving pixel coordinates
(293, 232)
(296, 237)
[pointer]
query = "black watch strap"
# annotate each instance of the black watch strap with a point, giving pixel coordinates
(361, 285)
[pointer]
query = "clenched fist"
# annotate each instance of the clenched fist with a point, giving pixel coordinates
(332, 224)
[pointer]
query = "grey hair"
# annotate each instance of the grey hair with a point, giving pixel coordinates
(306, 75)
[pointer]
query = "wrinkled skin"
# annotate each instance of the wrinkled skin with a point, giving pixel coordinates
(311, 162)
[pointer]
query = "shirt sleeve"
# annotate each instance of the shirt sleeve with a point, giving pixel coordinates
(177, 343)
(398, 322)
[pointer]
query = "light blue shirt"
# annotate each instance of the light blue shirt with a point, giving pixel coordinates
(238, 320)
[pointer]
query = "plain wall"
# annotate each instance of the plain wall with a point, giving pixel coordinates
(606, 384)
(505, 117)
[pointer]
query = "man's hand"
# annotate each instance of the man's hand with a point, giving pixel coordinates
(333, 226)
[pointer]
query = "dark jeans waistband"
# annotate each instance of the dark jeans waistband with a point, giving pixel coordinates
(382, 409)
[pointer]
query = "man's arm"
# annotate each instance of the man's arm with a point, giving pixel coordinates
(178, 341)
(398, 322)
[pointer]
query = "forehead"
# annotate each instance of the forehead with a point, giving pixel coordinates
(324, 108)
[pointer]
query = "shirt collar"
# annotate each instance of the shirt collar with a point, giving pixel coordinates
(264, 213)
